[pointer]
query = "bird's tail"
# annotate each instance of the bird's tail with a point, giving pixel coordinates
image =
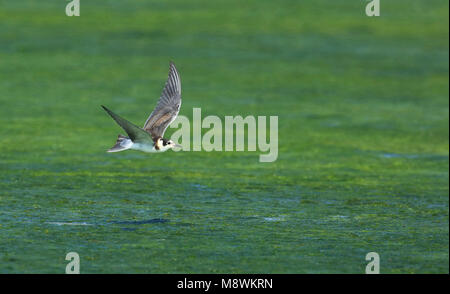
(122, 143)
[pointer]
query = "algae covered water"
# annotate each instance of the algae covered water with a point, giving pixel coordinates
(362, 166)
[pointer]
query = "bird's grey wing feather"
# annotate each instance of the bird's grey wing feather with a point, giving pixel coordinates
(135, 133)
(168, 105)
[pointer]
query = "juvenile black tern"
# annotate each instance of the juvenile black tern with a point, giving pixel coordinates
(150, 137)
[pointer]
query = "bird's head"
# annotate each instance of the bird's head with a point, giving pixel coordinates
(168, 144)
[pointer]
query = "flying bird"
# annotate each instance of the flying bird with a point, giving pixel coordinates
(150, 137)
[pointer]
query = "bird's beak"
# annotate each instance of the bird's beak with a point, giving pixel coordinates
(178, 146)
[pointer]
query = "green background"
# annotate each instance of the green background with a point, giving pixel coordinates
(363, 137)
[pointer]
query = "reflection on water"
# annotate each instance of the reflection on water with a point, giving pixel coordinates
(142, 222)
(139, 222)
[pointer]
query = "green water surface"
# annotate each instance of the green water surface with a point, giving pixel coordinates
(363, 113)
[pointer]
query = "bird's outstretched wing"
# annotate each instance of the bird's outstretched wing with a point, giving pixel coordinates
(135, 133)
(168, 106)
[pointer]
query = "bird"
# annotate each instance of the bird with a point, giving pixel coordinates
(149, 138)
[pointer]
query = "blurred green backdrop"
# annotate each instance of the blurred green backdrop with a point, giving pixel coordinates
(363, 137)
